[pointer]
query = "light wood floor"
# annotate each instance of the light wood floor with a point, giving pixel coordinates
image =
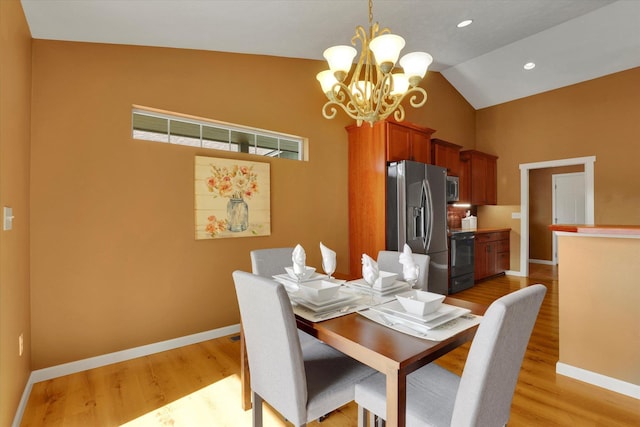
(198, 385)
(543, 271)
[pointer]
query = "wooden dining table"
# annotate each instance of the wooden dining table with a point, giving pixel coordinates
(390, 352)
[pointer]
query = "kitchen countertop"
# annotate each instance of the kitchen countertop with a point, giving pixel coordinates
(612, 230)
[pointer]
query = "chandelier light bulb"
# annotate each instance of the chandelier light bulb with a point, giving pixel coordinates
(340, 59)
(386, 50)
(415, 65)
(362, 91)
(327, 81)
(400, 83)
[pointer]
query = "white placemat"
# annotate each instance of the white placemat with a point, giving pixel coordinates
(439, 333)
(312, 316)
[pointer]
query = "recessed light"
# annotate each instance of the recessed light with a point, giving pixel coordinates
(529, 66)
(465, 23)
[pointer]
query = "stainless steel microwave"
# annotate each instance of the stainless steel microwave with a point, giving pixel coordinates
(453, 189)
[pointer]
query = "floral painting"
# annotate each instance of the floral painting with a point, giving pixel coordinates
(231, 198)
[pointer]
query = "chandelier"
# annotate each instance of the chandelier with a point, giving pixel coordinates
(373, 92)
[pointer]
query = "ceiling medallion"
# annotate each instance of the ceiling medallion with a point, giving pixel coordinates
(373, 92)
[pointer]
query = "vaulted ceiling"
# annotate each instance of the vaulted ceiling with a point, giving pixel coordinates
(569, 40)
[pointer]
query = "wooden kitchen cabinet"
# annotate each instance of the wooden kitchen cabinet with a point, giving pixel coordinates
(478, 178)
(492, 254)
(447, 155)
(407, 142)
(370, 148)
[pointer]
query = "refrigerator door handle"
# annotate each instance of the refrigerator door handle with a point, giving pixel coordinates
(427, 214)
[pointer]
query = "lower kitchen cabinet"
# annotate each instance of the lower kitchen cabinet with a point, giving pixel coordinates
(492, 253)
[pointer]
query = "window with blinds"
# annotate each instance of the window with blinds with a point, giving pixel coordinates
(175, 129)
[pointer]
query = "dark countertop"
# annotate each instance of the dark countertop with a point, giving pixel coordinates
(477, 231)
(491, 230)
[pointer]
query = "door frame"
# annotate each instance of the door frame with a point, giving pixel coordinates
(554, 237)
(587, 162)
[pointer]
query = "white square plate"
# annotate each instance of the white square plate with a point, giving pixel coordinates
(397, 286)
(343, 299)
(445, 313)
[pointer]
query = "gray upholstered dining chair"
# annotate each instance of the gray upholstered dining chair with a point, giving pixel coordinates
(389, 261)
(269, 262)
(302, 384)
(482, 396)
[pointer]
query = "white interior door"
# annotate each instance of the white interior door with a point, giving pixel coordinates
(569, 202)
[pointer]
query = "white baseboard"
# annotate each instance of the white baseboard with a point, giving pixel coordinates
(613, 384)
(110, 358)
(514, 273)
(541, 261)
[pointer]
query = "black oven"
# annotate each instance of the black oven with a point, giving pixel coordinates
(461, 260)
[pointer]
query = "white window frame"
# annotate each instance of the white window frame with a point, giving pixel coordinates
(254, 148)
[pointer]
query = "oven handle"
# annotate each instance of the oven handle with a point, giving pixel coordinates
(463, 237)
(453, 252)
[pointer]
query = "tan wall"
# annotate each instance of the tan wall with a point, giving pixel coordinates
(114, 261)
(500, 216)
(446, 111)
(598, 305)
(595, 118)
(15, 104)
(541, 210)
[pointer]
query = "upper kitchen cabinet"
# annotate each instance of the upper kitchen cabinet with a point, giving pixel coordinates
(407, 142)
(478, 178)
(370, 148)
(447, 155)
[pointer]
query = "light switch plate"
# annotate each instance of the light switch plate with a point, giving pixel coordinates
(8, 218)
(515, 215)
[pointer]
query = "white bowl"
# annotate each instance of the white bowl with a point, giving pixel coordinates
(384, 280)
(319, 290)
(307, 272)
(420, 302)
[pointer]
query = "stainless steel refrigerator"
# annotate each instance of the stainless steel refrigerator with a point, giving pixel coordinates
(417, 215)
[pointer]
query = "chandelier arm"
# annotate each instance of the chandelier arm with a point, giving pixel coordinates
(398, 115)
(350, 101)
(329, 110)
(339, 92)
(361, 34)
(415, 100)
(382, 93)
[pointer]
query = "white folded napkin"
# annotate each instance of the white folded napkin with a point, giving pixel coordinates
(410, 270)
(299, 258)
(370, 271)
(328, 258)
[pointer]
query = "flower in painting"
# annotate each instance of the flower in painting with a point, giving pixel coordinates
(215, 226)
(238, 182)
